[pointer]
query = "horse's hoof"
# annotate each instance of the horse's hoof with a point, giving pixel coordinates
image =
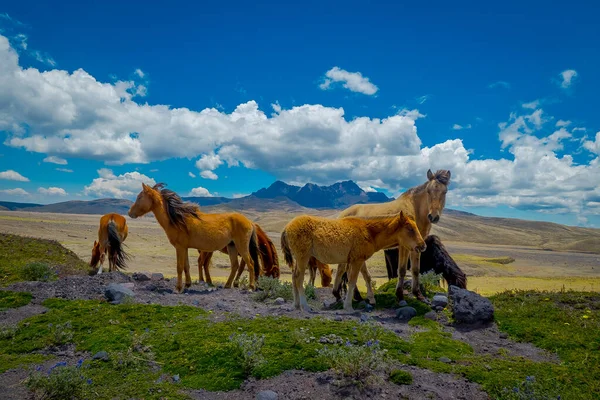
(188, 285)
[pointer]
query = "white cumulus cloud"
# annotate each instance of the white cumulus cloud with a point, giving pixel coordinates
(200, 192)
(122, 186)
(353, 81)
(55, 160)
(15, 192)
(11, 175)
(209, 175)
(52, 191)
(567, 78)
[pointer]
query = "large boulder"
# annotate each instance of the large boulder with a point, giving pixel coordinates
(116, 293)
(469, 307)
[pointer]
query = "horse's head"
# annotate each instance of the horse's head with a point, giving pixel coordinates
(409, 235)
(97, 256)
(326, 275)
(143, 203)
(437, 187)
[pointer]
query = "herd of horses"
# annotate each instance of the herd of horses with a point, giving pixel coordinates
(400, 227)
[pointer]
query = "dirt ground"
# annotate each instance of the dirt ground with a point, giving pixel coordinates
(291, 384)
(151, 251)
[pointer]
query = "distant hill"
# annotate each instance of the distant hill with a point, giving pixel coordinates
(339, 195)
(100, 206)
(9, 205)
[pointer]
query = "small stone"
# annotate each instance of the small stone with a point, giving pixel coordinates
(101, 355)
(222, 305)
(439, 308)
(406, 313)
(364, 318)
(196, 303)
(267, 395)
(329, 303)
(431, 315)
(403, 303)
(440, 301)
(445, 360)
(157, 276)
(280, 301)
(141, 276)
(128, 285)
(503, 335)
(176, 378)
(338, 318)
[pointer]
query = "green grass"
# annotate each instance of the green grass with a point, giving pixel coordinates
(10, 299)
(183, 340)
(16, 252)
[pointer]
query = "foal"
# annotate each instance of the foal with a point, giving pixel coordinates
(350, 240)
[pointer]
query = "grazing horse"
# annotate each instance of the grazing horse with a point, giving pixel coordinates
(425, 203)
(267, 252)
(111, 235)
(324, 271)
(347, 240)
(435, 258)
(186, 227)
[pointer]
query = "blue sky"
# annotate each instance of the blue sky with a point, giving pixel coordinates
(239, 95)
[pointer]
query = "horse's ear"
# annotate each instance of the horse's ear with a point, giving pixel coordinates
(449, 174)
(429, 174)
(402, 214)
(145, 187)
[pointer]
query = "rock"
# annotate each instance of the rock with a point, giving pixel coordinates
(403, 303)
(431, 315)
(368, 307)
(327, 304)
(176, 378)
(141, 276)
(115, 293)
(408, 284)
(469, 307)
(445, 360)
(280, 301)
(439, 308)
(129, 285)
(222, 305)
(267, 395)
(364, 318)
(406, 313)
(338, 318)
(157, 276)
(503, 335)
(440, 301)
(101, 355)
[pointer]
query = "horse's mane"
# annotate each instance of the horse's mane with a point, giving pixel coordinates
(177, 209)
(441, 175)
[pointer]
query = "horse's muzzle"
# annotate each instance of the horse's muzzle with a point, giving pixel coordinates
(432, 219)
(421, 248)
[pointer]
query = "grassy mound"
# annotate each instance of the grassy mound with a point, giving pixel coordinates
(10, 299)
(23, 258)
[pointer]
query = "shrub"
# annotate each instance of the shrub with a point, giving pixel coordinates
(60, 382)
(271, 288)
(430, 283)
(356, 364)
(249, 351)
(37, 271)
(400, 377)
(61, 333)
(137, 356)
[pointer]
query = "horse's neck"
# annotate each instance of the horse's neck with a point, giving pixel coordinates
(161, 215)
(386, 236)
(421, 209)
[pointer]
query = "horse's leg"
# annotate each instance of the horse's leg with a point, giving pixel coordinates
(312, 268)
(338, 281)
(102, 258)
(233, 258)
(353, 271)
(252, 280)
(207, 268)
(367, 277)
(301, 265)
(294, 287)
(238, 275)
(402, 263)
(188, 276)
(415, 264)
(201, 257)
(182, 255)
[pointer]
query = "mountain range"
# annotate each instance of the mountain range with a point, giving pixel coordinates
(279, 195)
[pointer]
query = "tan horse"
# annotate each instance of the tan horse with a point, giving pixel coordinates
(346, 240)
(425, 204)
(111, 235)
(267, 252)
(186, 227)
(324, 271)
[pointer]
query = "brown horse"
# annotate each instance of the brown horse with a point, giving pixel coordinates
(111, 235)
(267, 252)
(324, 271)
(425, 203)
(347, 240)
(186, 227)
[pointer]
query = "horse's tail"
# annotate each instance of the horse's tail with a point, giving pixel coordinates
(268, 253)
(287, 253)
(115, 251)
(253, 247)
(356, 295)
